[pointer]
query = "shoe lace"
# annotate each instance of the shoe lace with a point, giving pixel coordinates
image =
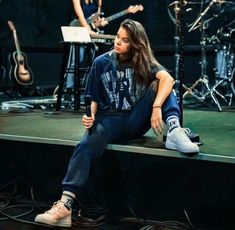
(187, 130)
(55, 208)
(183, 134)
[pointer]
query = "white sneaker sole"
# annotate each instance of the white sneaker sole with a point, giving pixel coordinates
(186, 149)
(66, 222)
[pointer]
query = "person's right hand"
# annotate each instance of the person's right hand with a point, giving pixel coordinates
(101, 22)
(156, 120)
(88, 121)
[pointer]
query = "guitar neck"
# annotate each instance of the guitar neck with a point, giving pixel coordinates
(117, 15)
(16, 42)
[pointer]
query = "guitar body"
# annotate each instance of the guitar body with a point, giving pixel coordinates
(20, 72)
(89, 20)
(75, 22)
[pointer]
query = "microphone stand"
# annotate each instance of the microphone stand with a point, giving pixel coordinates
(196, 24)
(179, 52)
(179, 58)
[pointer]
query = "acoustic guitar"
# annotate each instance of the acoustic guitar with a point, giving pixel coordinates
(94, 17)
(19, 72)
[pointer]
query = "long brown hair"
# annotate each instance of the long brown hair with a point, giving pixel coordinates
(142, 56)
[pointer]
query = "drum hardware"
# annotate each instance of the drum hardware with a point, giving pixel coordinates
(179, 52)
(179, 58)
(206, 90)
(196, 24)
(229, 93)
(224, 72)
(191, 10)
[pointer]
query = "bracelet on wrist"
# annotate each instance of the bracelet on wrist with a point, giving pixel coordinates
(157, 106)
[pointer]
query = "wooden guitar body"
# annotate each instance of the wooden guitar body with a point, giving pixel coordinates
(20, 71)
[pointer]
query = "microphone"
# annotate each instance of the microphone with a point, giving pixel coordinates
(87, 100)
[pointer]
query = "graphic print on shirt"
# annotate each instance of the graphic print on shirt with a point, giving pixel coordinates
(120, 89)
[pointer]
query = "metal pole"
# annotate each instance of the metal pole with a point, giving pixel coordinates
(179, 52)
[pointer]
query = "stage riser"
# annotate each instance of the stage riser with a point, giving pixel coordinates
(149, 184)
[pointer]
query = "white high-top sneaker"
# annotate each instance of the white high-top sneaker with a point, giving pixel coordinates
(178, 140)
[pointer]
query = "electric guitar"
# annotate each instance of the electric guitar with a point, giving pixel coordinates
(94, 17)
(19, 70)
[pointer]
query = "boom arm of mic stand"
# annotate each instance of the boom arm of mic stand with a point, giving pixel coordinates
(201, 15)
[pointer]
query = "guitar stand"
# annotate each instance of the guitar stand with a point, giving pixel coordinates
(12, 94)
(19, 91)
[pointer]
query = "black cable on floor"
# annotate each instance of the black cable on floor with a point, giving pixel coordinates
(154, 224)
(16, 217)
(5, 200)
(91, 216)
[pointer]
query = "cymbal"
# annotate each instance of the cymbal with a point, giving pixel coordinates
(193, 3)
(229, 9)
(215, 1)
(228, 2)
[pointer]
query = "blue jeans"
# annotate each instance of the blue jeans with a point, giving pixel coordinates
(113, 128)
(71, 64)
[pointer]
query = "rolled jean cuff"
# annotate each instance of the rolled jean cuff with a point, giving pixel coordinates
(70, 189)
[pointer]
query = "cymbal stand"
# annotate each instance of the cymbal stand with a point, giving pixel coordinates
(196, 24)
(205, 88)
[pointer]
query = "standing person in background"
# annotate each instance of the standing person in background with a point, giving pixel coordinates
(83, 10)
(152, 103)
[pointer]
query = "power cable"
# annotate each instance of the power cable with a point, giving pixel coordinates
(91, 216)
(6, 200)
(154, 224)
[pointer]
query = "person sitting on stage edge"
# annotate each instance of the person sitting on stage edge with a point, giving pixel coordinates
(130, 93)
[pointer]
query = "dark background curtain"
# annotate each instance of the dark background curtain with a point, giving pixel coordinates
(38, 25)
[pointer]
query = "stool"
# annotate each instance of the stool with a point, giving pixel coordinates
(76, 69)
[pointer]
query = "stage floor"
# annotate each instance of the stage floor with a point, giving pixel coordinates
(216, 131)
(36, 143)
